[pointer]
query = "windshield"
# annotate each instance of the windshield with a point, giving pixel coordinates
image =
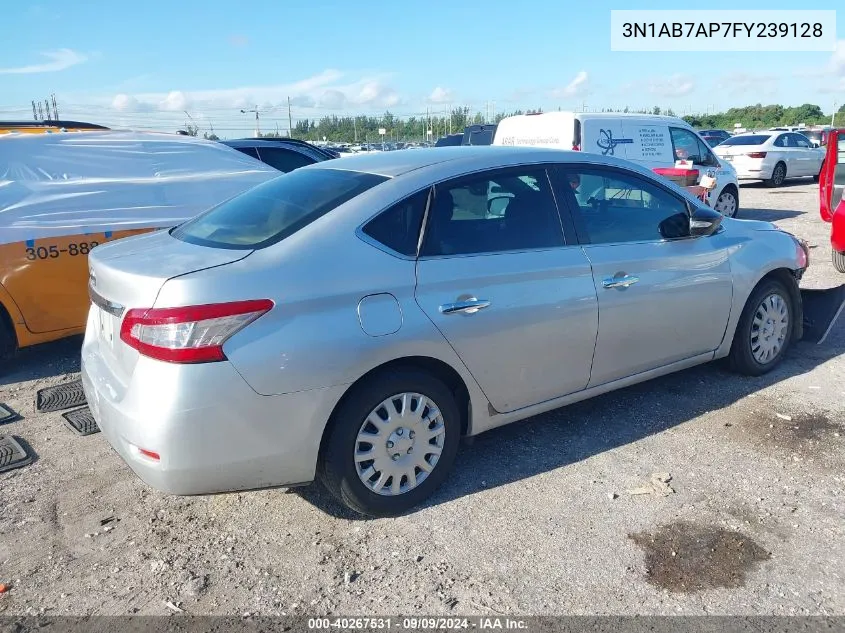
(275, 209)
(751, 139)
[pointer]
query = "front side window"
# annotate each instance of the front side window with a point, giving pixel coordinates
(614, 206)
(800, 141)
(686, 145)
(504, 211)
(276, 209)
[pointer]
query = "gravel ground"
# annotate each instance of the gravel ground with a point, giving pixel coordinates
(537, 517)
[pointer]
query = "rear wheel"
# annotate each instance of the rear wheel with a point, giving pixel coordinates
(778, 176)
(764, 331)
(391, 442)
(839, 261)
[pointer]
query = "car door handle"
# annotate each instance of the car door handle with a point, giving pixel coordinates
(619, 282)
(468, 306)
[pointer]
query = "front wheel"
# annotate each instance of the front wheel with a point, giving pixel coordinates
(391, 443)
(727, 203)
(764, 331)
(839, 261)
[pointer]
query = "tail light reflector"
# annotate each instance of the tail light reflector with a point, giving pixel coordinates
(757, 155)
(190, 334)
(151, 454)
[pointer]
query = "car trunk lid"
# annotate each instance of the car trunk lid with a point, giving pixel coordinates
(129, 274)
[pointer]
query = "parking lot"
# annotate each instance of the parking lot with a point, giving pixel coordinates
(702, 492)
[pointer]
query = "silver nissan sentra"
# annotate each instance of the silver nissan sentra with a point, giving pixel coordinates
(355, 318)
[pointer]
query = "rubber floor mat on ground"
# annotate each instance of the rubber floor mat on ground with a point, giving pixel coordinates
(81, 422)
(822, 309)
(7, 414)
(60, 397)
(12, 454)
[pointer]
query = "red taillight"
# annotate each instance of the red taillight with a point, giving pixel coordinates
(190, 334)
(757, 155)
(576, 147)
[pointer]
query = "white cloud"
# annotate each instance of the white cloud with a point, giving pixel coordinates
(332, 99)
(440, 95)
(128, 103)
(743, 83)
(575, 88)
(677, 85)
(323, 90)
(58, 60)
(175, 101)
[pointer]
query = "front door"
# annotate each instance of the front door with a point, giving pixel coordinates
(663, 296)
(511, 295)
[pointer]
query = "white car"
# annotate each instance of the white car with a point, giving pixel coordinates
(772, 156)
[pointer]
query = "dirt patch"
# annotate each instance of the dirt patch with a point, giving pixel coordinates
(685, 557)
(807, 434)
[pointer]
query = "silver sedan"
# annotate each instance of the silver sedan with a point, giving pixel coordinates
(352, 320)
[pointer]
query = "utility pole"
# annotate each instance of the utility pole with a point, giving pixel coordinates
(257, 127)
(833, 116)
(290, 121)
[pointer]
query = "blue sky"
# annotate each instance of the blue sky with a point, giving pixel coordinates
(144, 64)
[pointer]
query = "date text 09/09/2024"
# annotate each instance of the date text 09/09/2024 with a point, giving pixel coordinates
(723, 29)
(417, 624)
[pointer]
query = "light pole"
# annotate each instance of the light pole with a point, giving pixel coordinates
(257, 127)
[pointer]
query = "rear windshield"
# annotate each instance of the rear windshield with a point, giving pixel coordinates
(275, 209)
(751, 139)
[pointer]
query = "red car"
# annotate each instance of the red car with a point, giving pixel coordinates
(831, 186)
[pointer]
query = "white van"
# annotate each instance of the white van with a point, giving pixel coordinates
(650, 140)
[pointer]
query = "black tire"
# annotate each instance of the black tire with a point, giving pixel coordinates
(741, 357)
(839, 261)
(338, 471)
(778, 176)
(8, 340)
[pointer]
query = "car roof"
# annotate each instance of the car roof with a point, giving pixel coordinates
(397, 163)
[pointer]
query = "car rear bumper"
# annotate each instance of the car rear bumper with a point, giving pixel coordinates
(213, 433)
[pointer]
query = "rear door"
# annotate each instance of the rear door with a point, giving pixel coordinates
(512, 295)
(663, 297)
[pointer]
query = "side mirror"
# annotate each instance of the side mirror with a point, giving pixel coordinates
(704, 222)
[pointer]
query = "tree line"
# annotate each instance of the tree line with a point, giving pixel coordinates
(365, 129)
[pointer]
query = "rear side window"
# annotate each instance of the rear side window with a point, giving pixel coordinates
(398, 228)
(284, 160)
(249, 151)
(275, 209)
